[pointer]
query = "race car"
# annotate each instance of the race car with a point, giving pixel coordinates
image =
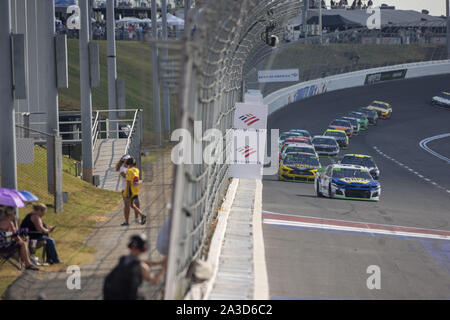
(297, 147)
(339, 135)
(298, 139)
(303, 133)
(340, 124)
(346, 182)
(443, 100)
(325, 146)
(383, 109)
(286, 135)
(371, 115)
(364, 161)
(355, 124)
(300, 167)
(363, 121)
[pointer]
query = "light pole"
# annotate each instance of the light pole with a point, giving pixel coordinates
(86, 94)
(320, 21)
(7, 120)
(165, 89)
(156, 97)
(112, 68)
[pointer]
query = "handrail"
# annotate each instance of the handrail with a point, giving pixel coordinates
(95, 130)
(131, 131)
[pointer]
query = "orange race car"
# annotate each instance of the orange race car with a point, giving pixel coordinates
(344, 125)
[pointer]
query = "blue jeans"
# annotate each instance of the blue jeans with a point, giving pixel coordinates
(50, 249)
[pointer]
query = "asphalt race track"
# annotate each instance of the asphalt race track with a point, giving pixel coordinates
(309, 262)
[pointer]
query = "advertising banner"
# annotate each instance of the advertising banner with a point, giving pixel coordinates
(385, 76)
(284, 75)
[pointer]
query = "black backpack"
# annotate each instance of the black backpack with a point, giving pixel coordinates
(123, 281)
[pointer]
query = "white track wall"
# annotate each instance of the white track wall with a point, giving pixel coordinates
(297, 92)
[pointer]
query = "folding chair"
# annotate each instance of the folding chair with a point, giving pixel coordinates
(11, 255)
(33, 246)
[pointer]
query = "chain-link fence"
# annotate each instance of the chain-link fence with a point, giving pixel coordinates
(221, 36)
(33, 165)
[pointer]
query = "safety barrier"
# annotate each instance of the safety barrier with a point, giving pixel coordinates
(288, 95)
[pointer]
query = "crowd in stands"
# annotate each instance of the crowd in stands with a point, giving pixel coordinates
(124, 31)
(342, 4)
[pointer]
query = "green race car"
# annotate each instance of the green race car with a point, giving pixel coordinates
(362, 118)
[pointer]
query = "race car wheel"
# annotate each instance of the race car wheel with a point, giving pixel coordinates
(319, 194)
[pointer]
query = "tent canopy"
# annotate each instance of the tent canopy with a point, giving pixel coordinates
(64, 3)
(334, 21)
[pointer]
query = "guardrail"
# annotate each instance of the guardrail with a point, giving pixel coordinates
(288, 95)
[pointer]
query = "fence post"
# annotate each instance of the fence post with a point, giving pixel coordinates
(58, 172)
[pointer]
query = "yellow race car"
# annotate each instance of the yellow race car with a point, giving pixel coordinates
(300, 167)
(383, 109)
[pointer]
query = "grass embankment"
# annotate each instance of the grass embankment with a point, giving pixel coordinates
(340, 55)
(76, 221)
(134, 65)
(316, 61)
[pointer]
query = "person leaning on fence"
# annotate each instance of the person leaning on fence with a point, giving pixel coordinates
(162, 245)
(131, 192)
(10, 240)
(39, 231)
(123, 282)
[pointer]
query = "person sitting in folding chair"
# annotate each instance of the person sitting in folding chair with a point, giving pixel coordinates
(10, 243)
(39, 231)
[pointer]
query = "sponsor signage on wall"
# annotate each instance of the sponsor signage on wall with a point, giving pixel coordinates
(249, 140)
(385, 76)
(284, 75)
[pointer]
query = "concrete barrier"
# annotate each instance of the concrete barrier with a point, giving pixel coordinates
(281, 98)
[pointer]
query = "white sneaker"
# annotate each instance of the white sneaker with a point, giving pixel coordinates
(138, 221)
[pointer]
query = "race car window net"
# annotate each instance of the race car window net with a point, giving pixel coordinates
(351, 173)
(365, 162)
(300, 149)
(329, 142)
(312, 161)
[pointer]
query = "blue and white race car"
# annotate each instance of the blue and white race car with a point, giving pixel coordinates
(346, 182)
(442, 100)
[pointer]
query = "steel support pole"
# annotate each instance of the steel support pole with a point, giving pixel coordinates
(156, 97)
(187, 6)
(165, 89)
(33, 65)
(112, 67)
(47, 75)
(86, 95)
(7, 119)
(305, 17)
(22, 28)
(320, 22)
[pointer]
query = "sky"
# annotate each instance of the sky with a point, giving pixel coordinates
(436, 7)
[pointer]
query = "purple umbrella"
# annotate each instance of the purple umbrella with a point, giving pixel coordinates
(11, 198)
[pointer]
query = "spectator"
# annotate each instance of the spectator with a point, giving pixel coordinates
(122, 168)
(162, 245)
(131, 192)
(359, 4)
(9, 237)
(40, 232)
(370, 4)
(354, 5)
(123, 282)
